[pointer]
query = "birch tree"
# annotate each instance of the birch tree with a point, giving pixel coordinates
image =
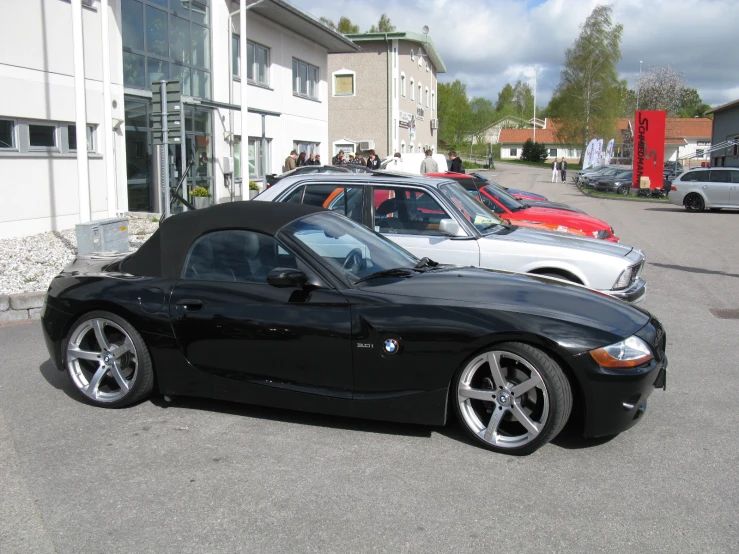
(586, 101)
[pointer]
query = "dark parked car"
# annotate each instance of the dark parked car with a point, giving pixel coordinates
(619, 182)
(308, 170)
(297, 307)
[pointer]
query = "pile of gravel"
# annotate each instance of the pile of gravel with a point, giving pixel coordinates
(29, 264)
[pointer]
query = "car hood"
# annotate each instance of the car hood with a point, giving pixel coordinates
(520, 294)
(563, 217)
(550, 239)
(554, 205)
(531, 195)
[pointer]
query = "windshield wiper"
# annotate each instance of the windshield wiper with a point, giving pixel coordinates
(392, 272)
(425, 262)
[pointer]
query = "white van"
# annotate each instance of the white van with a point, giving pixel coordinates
(411, 163)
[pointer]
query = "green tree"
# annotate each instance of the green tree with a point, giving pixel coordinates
(691, 104)
(505, 98)
(383, 25)
(328, 22)
(523, 100)
(534, 151)
(346, 27)
(454, 112)
(586, 101)
(481, 116)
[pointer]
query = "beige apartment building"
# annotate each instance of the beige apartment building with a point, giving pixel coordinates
(384, 97)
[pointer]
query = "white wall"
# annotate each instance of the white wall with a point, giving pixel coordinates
(37, 83)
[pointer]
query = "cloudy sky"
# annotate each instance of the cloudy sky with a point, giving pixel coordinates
(488, 43)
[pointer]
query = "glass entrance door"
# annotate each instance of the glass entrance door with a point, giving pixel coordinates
(139, 167)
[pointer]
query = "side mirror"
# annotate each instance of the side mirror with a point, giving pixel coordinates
(449, 227)
(286, 277)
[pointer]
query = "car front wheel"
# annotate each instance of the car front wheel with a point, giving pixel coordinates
(624, 189)
(107, 360)
(694, 203)
(512, 398)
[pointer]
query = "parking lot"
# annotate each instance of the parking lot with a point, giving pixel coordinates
(203, 476)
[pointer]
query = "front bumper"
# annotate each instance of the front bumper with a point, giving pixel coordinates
(635, 293)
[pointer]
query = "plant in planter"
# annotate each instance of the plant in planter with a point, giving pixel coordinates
(253, 189)
(200, 197)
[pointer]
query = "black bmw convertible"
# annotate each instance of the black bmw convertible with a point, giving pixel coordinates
(297, 307)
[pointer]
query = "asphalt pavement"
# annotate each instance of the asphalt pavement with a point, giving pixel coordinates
(203, 476)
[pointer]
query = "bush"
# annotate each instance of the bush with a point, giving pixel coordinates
(201, 192)
(534, 152)
(253, 185)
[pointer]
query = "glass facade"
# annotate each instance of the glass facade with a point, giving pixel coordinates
(167, 39)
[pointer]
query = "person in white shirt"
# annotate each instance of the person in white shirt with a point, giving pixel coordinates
(555, 171)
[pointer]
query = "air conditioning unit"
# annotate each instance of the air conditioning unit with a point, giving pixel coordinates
(365, 145)
(434, 124)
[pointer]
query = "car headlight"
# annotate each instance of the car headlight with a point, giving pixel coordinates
(626, 354)
(624, 279)
(604, 234)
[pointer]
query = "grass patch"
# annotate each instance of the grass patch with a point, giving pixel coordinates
(546, 165)
(473, 165)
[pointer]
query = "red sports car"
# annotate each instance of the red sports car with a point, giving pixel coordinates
(507, 207)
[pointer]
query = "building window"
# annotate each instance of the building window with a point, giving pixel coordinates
(307, 147)
(166, 39)
(259, 158)
(413, 57)
(395, 87)
(42, 136)
(413, 91)
(305, 79)
(402, 85)
(237, 158)
(344, 83)
(514, 152)
(433, 101)
(395, 57)
(72, 138)
(257, 63)
(402, 147)
(420, 94)
(236, 55)
(410, 148)
(553, 152)
(7, 134)
(427, 97)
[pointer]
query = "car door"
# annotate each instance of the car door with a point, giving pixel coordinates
(410, 217)
(734, 190)
(231, 323)
(718, 189)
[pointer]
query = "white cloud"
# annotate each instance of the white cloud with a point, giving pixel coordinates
(488, 43)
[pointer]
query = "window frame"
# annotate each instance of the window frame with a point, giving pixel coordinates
(57, 139)
(407, 188)
(89, 134)
(420, 94)
(255, 65)
(13, 135)
(296, 64)
(413, 89)
(258, 154)
(344, 73)
(426, 90)
(514, 152)
(403, 84)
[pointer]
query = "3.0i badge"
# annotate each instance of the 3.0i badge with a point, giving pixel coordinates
(391, 346)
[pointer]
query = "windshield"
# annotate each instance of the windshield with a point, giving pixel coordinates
(349, 248)
(476, 213)
(504, 198)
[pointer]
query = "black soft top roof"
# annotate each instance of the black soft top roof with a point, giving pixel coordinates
(163, 255)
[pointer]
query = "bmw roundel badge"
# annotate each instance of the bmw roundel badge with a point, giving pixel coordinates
(391, 346)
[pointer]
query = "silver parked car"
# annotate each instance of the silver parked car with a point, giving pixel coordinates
(438, 219)
(714, 188)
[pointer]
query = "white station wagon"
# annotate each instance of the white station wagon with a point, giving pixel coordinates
(438, 219)
(714, 188)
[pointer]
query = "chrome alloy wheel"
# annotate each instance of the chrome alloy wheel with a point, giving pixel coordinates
(503, 399)
(102, 360)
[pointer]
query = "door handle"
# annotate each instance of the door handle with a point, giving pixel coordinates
(190, 304)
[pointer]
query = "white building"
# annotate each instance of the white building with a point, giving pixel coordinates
(124, 45)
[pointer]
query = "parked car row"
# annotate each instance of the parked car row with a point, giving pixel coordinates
(367, 296)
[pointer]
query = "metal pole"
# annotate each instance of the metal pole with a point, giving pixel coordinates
(534, 122)
(110, 168)
(638, 87)
(264, 152)
(165, 148)
(83, 175)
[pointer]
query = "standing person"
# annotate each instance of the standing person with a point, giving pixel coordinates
(301, 159)
(429, 165)
(311, 160)
(318, 160)
(555, 171)
(456, 166)
(563, 170)
(373, 162)
(339, 158)
(291, 161)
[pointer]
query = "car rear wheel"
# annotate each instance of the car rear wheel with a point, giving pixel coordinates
(624, 189)
(107, 360)
(694, 203)
(512, 398)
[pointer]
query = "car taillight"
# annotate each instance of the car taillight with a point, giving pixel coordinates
(673, 187)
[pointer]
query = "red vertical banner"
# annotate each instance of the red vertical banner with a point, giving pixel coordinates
(649, 147)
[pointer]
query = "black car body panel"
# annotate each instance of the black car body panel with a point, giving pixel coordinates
(318, 348)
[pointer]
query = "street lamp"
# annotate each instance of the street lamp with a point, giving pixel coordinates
(638, 86)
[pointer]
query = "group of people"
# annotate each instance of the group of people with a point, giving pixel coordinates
(294, 160)
(559, 170)
(372, 161)
(429, 165)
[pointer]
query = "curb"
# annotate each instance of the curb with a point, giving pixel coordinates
(21, 306)
(622, 199)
